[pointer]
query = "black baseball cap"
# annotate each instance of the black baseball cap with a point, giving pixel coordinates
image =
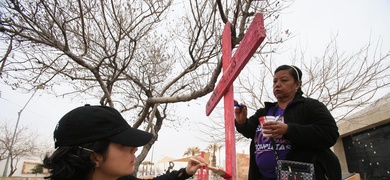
(93, 123)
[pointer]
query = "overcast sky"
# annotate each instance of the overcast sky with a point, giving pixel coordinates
(314, 23)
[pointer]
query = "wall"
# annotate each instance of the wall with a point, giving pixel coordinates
(242, 166)
(377, 115)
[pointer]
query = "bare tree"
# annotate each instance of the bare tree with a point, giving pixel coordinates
(344, 81)
(136, 56)
(25, 145)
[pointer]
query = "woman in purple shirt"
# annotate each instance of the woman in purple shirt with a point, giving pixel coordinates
(304, 130)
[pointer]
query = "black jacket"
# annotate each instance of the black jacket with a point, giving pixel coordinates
(312, 130)
(174, 175)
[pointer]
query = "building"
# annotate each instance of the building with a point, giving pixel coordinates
(364, 143)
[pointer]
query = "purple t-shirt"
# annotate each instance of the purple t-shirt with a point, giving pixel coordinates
(265, 157)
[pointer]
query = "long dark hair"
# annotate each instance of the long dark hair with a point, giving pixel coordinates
(295, 72)
(74, 162)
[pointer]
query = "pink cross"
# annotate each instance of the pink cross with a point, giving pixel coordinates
(232, 66)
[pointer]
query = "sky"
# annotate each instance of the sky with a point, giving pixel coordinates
(313, 22)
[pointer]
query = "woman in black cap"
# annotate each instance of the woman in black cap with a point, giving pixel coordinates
(96, 143)
(304, 130)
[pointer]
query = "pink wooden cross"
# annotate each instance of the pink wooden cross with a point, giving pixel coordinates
(232, 66)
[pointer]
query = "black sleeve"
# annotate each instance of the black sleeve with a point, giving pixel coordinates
(318, 130)
(174, 175)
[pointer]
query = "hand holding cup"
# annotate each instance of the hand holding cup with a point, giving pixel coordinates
(262, 121)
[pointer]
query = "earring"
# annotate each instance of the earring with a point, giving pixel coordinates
(96, 164)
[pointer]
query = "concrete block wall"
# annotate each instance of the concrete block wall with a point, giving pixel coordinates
(373, 116)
